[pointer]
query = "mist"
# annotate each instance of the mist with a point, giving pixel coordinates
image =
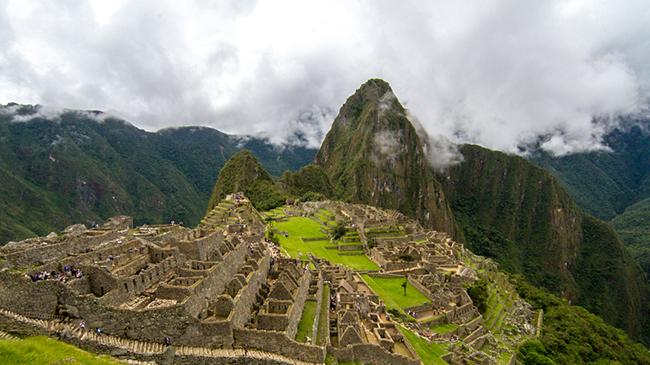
(503, 74)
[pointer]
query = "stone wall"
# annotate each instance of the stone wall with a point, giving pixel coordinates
(246, 297)
(374, 354)
(32, 299)
(278, 343)
(298, 304)
(45, 253)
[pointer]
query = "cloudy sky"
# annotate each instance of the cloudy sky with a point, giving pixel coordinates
(497, 73)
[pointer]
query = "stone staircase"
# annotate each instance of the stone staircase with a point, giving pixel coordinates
(6, 336)
(140, 347)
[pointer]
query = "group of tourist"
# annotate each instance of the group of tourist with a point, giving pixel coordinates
(68, 273)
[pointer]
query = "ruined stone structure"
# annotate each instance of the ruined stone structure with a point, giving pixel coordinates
(222, 294)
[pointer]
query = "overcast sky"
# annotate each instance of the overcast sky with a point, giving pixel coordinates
(497, 73)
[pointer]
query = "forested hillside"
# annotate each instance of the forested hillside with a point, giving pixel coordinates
(85, 167)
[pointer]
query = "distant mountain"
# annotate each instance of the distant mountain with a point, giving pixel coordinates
(613, 185)
(84, 166)
(605, 183)
(503, 206)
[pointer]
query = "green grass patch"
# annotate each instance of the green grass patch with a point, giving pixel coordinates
(306, 324)
(323, 322)
(43, 350)
(390, 290)
(298, 228)
(445, 328)
(430, 352)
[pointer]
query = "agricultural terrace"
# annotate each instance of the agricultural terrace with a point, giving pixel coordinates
(299, 236)
(306, 324)
(390, 290)
(430, 352)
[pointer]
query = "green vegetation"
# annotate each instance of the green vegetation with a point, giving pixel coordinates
(44, 350)
(430, 352)
(572, 335)
(291, 232)
(391, 291)
(633, 226)
(244, 173)
(54, 173)
(310, 183)
(306, 324)
(323, 323)
(479, 294)
(518, 214)
(444, 328)
(606, 183)
(354, 158)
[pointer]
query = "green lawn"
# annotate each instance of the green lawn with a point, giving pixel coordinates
(323, 322)
(44, 350)
(306, 324)
(430, 352)
(302, 227)
(391, 292)
(444, 328)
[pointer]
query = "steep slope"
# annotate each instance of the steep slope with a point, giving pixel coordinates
(84, 167)
(572, 335)
(307, 183)
(605, 183)
(372, 154)
(633, 226)
(243, 173)
(519, 214)
(613, 184)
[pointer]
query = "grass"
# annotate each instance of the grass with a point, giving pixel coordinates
(323, 322)
(498, 304)
(391, 292)
(43, 350)
(301, 227)
(306, 324)
(444, 328)
(429, 352)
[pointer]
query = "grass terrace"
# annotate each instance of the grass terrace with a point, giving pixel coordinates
(391, 292)
(274, 214)
(328, 218)
(444, 328)
(299, 228)
(498, 306)
(43, 350)
(306, 323)
(323, 323)
(430, 352)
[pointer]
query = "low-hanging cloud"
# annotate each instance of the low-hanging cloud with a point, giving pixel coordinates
(504, 74)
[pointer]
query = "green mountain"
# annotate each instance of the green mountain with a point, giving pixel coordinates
(243, 173)
(605, 183)
(633, 225)
(519, 214)
(572, 335)
(85, 166)
(613, 185)
(308, 183)
(504, 206)
(373, 155)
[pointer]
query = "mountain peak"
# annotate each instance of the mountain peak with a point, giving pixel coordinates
(374, 155)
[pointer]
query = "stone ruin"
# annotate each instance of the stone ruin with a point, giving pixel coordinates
(222, 294)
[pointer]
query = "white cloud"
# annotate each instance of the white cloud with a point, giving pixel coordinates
(498, 73)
